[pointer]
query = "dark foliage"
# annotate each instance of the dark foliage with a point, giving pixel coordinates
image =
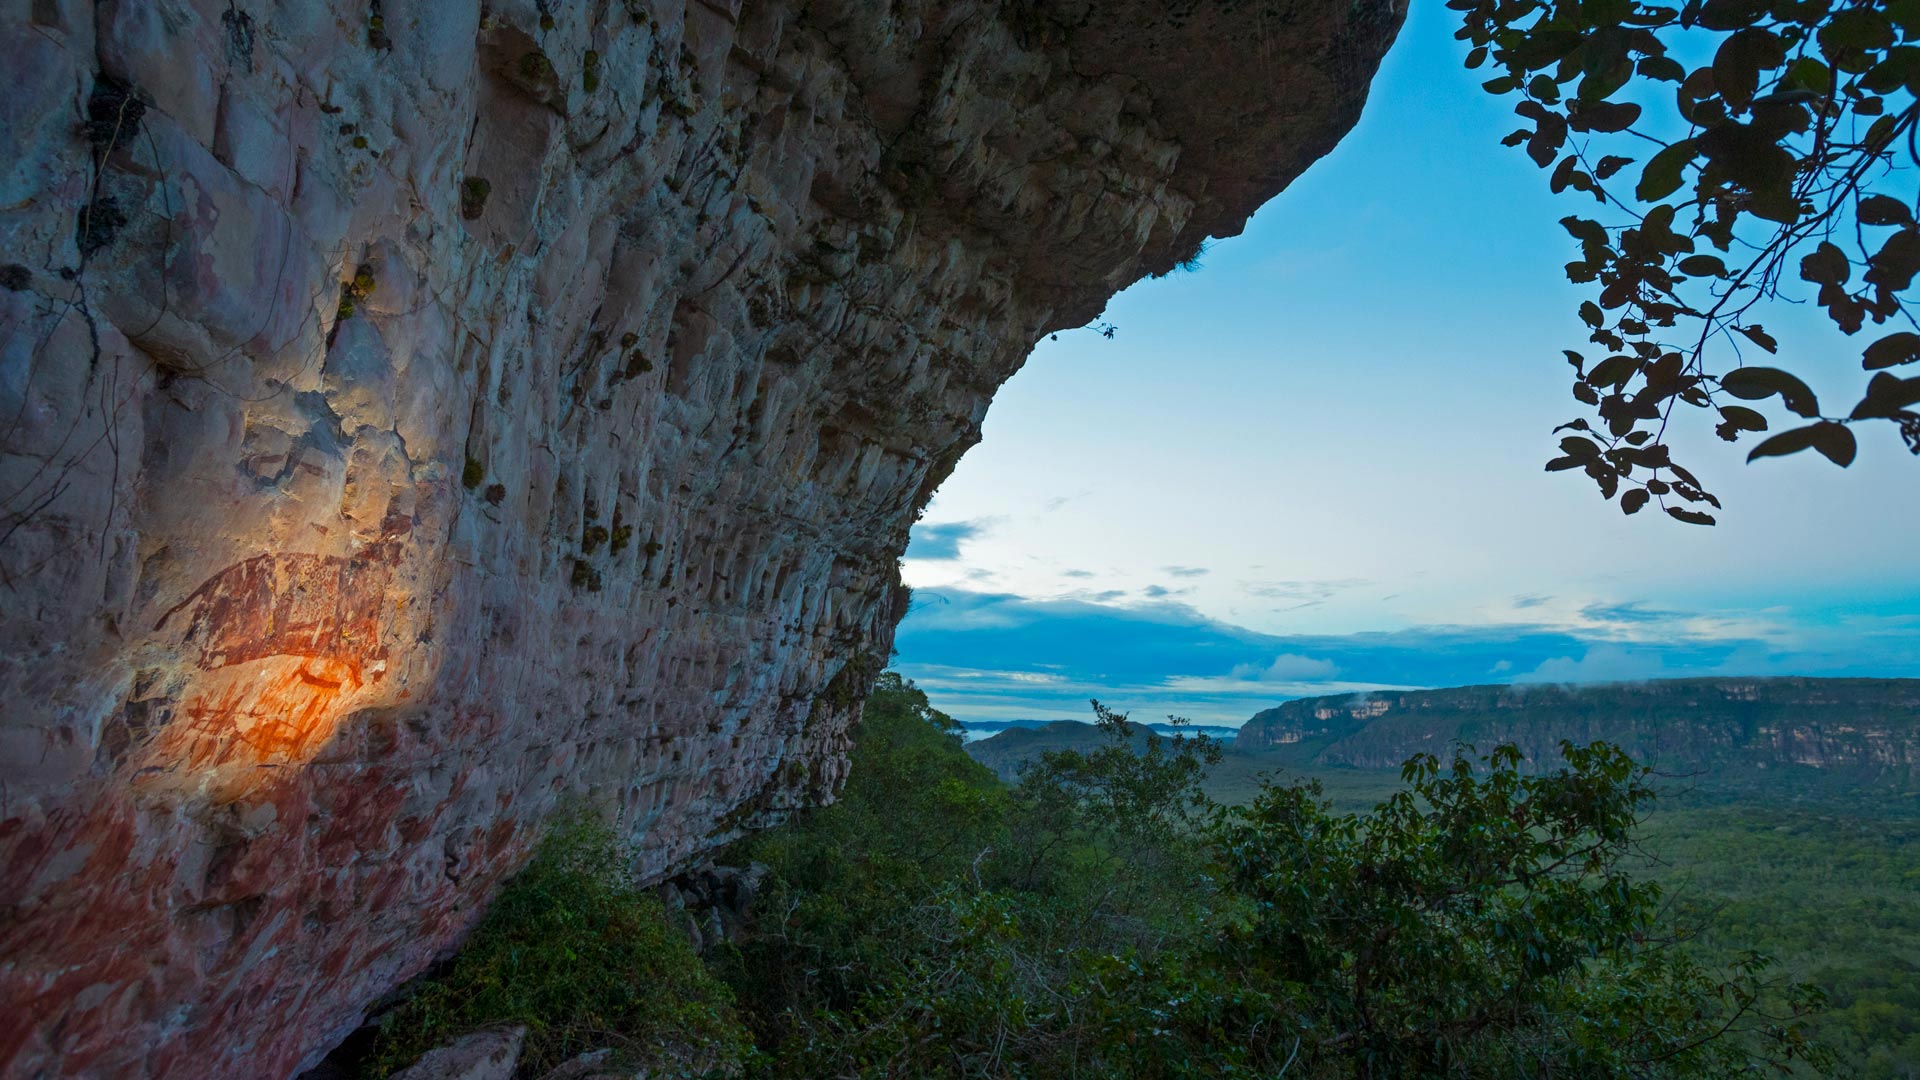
(574, 951)
(1103, 918)
(1767, 143)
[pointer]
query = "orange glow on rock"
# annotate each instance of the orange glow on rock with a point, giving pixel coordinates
(288, 645)
(268, 711)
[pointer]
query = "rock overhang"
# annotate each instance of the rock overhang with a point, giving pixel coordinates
(464, 409)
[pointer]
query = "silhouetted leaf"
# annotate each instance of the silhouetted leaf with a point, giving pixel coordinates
(1567, 174)
(1730, 14)
(1749, 156)
(1703, 266)
(1856, 29)
(1663, 173)
(1832, 440)
(1759, 337)
(1662, 68)
(1584, 230)
(1634, 500)
(1736, 419)
(1826, 265)
(1604, 117)
(1691, 517)
(1613, 371)
(1892, 351)
(1886, 396)
(1740, 59)
(1900, 70)
(1808, 74)
(1884, 210)
(1759, 383)
(1894, 265)
(1542, 47)
(1603, 83)
(1693, 91)
(1610, 165)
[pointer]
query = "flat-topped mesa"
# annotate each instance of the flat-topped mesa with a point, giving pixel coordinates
(423, 412)
(1867, 730)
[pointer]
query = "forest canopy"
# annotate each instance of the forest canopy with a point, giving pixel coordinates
(1103, 917)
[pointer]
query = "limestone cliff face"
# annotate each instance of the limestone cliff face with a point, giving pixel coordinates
(418, 411)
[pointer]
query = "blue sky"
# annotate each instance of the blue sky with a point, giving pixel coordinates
(1315, 465)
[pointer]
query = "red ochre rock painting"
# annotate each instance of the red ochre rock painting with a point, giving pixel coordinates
(281, 648)
(288, 643)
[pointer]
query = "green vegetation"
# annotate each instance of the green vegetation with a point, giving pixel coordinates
(1832, 891)
(583, 958)
(355, 292)
(474, 191)
(1105, 917)
(1828, 884)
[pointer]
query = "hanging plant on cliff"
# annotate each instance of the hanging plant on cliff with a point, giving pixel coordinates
(1741, 153)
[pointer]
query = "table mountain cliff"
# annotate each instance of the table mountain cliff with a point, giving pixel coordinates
(419, 412)
(1864, 731)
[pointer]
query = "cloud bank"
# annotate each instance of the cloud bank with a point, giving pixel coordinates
(983, 655)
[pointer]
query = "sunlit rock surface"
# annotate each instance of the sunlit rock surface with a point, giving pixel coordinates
(417, 411)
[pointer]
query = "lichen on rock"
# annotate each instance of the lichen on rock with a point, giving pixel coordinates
(303, 633)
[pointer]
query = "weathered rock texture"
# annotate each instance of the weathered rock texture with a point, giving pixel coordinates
(418, 410)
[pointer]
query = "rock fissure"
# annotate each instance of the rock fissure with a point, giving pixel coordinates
(324, 389)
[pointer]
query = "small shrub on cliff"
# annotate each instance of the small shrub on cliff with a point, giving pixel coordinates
(583, 958)
(474, 191)
(355, 292)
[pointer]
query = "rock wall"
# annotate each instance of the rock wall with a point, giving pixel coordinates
(418, 411)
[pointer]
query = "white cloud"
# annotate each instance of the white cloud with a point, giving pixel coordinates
(1602, 663)
(942, 541)
(1288, 667)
